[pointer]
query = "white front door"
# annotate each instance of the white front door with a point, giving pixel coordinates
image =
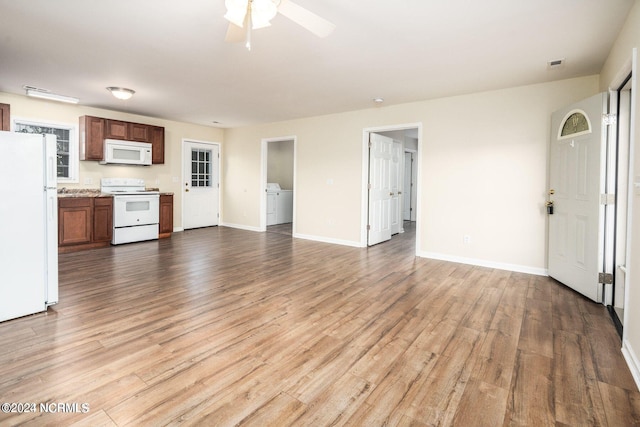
(200, 187)
(576, 183)
(380, 154)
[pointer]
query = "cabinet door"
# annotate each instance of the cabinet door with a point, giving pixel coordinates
(166, 215)
(157, 144)
(139, 132)
(75, 217)
(115, 129)
(91, 138)
(102, 219)
(5, 123)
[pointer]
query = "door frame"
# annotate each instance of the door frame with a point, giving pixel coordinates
(628, 69)
(264, 151)
(364, 208)
(182, 160)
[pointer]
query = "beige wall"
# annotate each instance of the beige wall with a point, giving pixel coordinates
(616, 65)
(90, 172)
(483, 172)
(280, 163)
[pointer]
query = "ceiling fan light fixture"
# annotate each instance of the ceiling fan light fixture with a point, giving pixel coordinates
(121, 92)
(236, 11)
(262, 12)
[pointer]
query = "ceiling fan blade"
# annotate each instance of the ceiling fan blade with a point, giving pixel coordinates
(235, 34)
(309, 20)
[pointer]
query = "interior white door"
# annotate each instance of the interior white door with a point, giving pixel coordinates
(380, 153)
(577, 174)
(396, 188)
(408, 183)
(201, 186)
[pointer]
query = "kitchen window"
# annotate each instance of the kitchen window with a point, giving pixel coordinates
(66, 146)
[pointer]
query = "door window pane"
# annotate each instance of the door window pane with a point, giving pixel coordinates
(200, 167)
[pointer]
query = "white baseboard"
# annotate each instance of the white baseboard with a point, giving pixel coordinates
(177, 229)
(632, 361)
(241, 227)
(485, 263)
(328, 240)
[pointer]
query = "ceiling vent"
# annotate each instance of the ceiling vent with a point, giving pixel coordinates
(554, 64)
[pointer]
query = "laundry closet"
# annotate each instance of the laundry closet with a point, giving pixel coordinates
(279, 182)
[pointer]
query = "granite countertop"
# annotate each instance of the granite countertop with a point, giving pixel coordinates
(95, 192)
(81, 192)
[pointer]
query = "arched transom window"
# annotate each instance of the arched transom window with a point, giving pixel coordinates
(575, 123)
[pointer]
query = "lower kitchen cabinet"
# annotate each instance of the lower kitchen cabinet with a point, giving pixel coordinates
(84, 222)
(102, 219)
(166, 215)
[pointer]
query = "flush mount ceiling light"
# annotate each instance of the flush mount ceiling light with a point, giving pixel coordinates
(121, 92)
(378, 100)
(46, 94)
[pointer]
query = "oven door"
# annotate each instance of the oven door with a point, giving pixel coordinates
(132, 210)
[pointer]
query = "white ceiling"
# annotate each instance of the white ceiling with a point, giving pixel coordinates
(173, 55)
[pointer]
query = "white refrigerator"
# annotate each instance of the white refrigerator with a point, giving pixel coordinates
(28, 224)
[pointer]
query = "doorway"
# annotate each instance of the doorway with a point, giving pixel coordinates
(278, 181)
(621, 105)
(388, 188)
(201, 184)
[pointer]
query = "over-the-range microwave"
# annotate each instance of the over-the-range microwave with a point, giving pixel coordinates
(126, 153)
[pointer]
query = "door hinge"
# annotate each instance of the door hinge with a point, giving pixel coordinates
(368, 227)
(609, 119)
(369, 186)
(605, 278)
(607, 199)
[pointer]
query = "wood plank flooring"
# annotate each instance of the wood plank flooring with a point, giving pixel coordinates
(226, 327)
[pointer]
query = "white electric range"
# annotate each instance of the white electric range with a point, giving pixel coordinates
(136, 210)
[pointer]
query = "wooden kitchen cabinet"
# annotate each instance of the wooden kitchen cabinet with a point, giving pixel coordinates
(75, 220)
(84, 223)
(5, 117)
(166, 216)
(156, 134)
(102, 219)
(91, 138)
(117, 129)
(94, 130)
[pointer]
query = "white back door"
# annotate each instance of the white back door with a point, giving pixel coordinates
(380, 153)
(577, 176)
(201, 189)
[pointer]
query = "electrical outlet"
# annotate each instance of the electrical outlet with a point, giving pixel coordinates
(466, 239)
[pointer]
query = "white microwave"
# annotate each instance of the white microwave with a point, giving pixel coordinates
(126, 153)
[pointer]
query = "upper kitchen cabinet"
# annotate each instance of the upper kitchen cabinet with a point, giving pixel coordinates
(91, 138)
(5, 124)
(94, 130)
(117, 129)
(157, 144)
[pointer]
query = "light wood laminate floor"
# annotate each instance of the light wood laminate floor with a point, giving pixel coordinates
(221, 326)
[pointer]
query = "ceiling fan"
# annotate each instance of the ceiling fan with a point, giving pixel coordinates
(247, 15)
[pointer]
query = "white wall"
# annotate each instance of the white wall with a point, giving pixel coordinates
(617, 63)
(90, 172)
(483, 163)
